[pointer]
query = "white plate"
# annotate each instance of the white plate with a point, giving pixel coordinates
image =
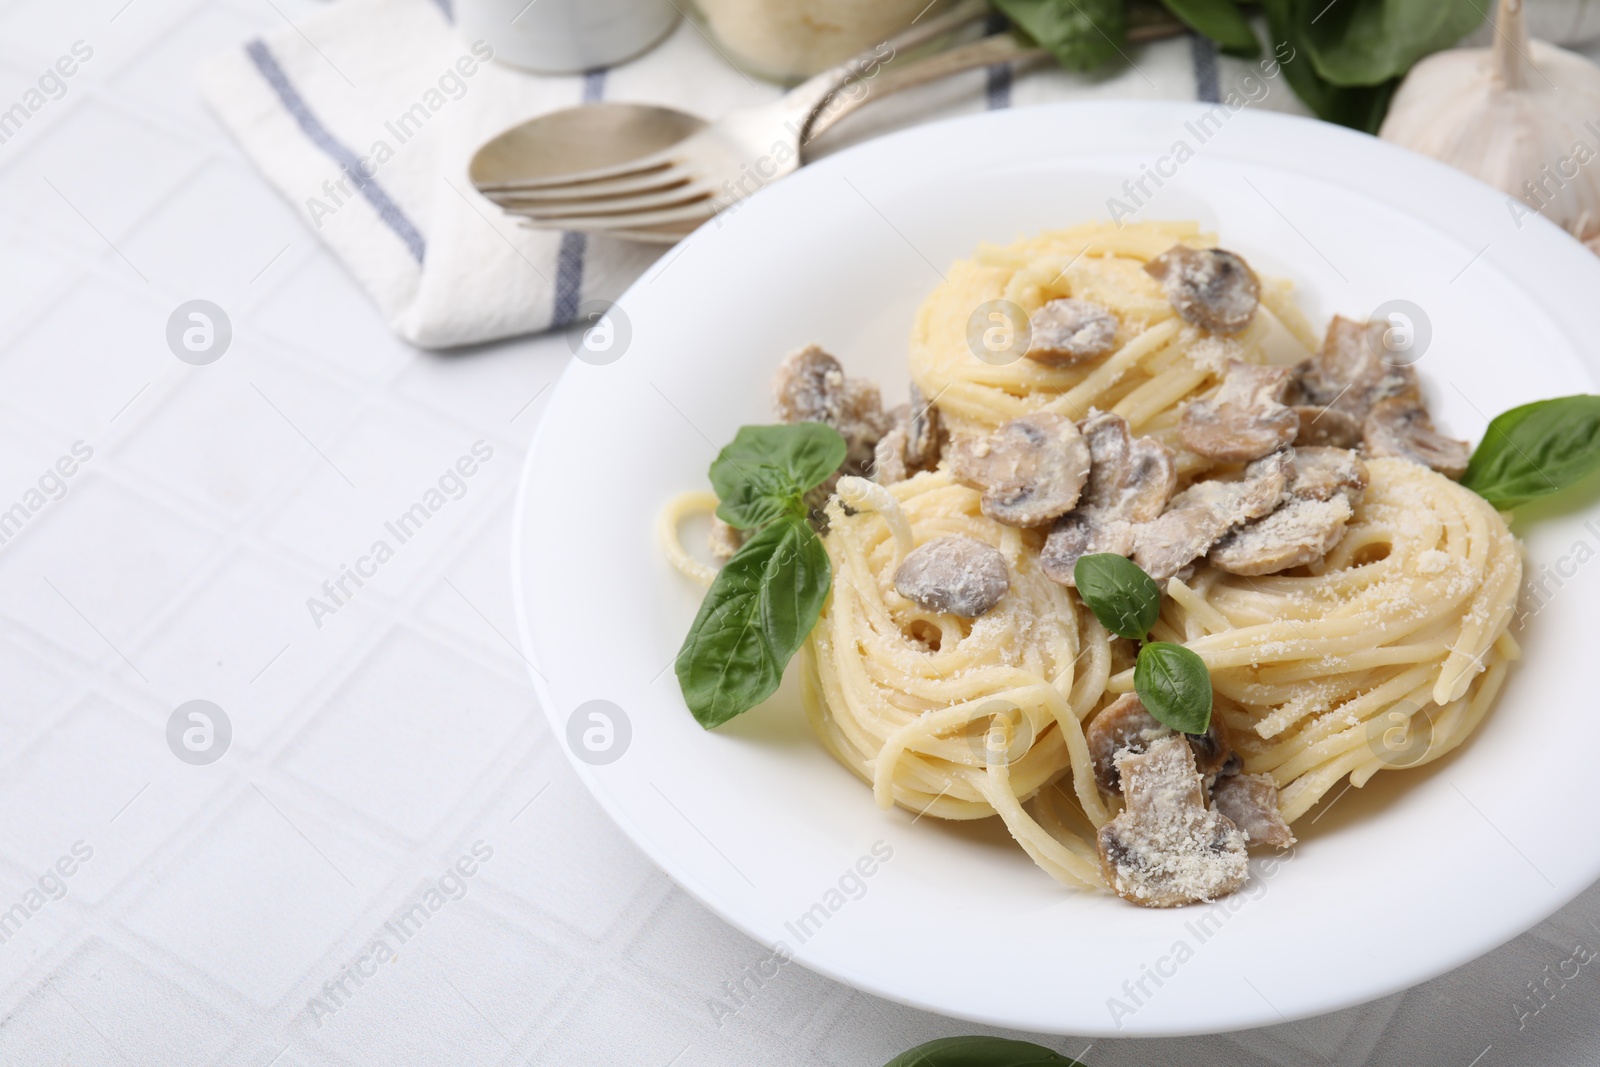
(1416, 874)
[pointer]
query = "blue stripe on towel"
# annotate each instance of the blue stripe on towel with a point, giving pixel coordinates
(448, 7)
(997, 87)
(348, 161)
(569, 257)
(1207, 85)
(997, 77)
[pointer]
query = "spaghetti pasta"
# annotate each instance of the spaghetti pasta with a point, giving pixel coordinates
(1160, 361)
(1384, 653)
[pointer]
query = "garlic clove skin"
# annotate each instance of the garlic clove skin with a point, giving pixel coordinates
(1523, 116)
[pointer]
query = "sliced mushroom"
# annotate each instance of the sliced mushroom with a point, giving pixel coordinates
(1327, 427)
(1348, 375)
(1212, 288)
(1400, 426)
(889, 458)
(1325, 486)
(1125, 726)
(1069, 331)
(1030, 470)
(923, 430)
(1202, 515)
(1167, 848)
(1130, 478)
(1246, 419)
(1110, 452)
(1130, 481)
(724, 540)
(1250, 802)
(1080, 533)
(1149, 483)
(1298, 533)
(1214, 754)
(1321, 473)
(810, 386)
(912, 443)
(955, 575)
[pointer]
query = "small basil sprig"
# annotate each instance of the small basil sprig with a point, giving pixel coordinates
(1122, 596)
(1172, 682)
(981, 1052)
(767, 597)
(1535, 450)
(1174, 686)
(765, 472)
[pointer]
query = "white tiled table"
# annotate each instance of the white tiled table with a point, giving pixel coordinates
(373, 752)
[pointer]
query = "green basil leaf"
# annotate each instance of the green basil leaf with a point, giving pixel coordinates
(761, 476)
(1360, 108)
(1174, 686)
(1081, 34)
(981, 1052)
(1535, 450)
(1122, 596)
(1368, 42)
(755, 616)
(1220, 20)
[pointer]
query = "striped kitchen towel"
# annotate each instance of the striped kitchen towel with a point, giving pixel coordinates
(365, 115)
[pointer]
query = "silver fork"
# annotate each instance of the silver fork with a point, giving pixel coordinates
(694, 179)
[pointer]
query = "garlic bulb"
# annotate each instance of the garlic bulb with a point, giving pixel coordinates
(1522, 115)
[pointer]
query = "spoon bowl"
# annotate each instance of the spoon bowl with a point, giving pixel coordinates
(583, 138)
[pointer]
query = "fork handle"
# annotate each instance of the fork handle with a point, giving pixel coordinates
(998, 48)
(1001, 48)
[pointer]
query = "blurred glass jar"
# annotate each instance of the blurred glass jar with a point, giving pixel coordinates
(787, 40)
(566, 36)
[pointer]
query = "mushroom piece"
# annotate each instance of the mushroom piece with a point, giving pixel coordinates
(923, 431)
(1400, 426)
(1084, 532)
(1325, 487)
(1202, 515)
(1212, 288)
(1321, 473)
(1132, 477)
(1250, 802)
(1167, 848)
(1245, 419)
(1328, 427)
(1068, 331)
(1124, 725)
(954, 575)
(1030, 470)
(889, 456)
(723, 540)
(810, 386)
(1298, 533)
(911, 445)
(1151, 478)
(1130, 481)
(1348, 374)
(1110, 452)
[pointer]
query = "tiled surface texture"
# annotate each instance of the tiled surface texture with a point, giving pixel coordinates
(301, 900)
